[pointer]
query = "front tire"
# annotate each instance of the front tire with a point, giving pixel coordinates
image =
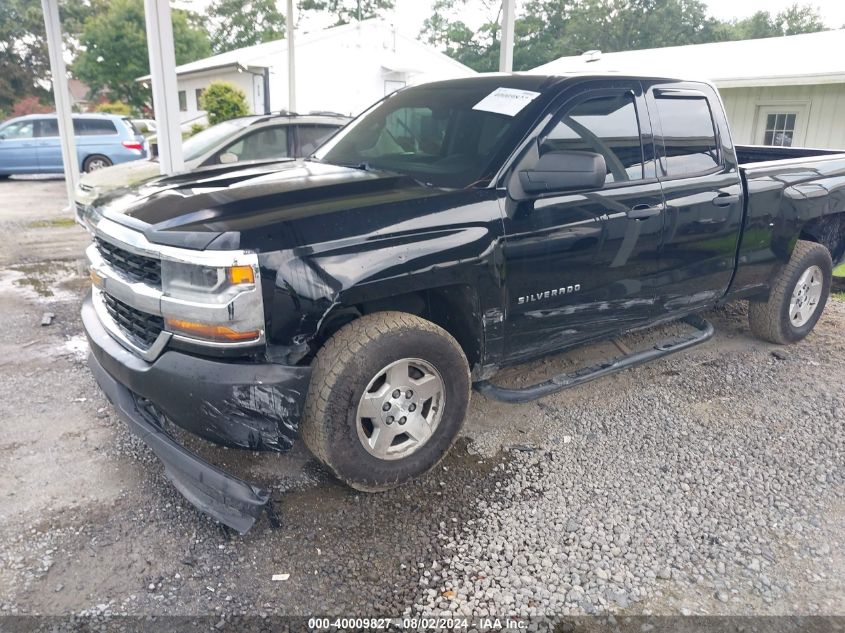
(387, 398)
(797, 298)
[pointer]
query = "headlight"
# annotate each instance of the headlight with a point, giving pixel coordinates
(211, 303)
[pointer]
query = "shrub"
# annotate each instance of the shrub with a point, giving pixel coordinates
(114, 107)
(223, 101)
(30, 105)
(196, 128)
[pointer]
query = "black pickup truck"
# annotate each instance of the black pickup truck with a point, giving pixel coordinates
(354, 297)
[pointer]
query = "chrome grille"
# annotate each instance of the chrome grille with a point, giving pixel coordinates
(134, 267)
(141, 328)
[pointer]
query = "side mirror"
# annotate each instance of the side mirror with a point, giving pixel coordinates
(564, 170)
(228, 158)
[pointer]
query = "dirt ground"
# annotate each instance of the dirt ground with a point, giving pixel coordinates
(89, 525)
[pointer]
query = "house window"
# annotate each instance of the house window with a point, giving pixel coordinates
(198, 93)
(183, 101)
(780, 129)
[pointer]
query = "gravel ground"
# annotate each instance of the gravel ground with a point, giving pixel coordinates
(709, 482)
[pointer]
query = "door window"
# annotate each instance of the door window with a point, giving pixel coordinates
(606, 125)
(265, 144)
(688, 136)
(312, 136)
(19, 130)
(48, 127)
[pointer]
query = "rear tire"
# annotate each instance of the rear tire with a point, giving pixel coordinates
(387, 398)
(797, 298)
(95, 162)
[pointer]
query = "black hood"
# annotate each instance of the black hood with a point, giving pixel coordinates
(194, 209)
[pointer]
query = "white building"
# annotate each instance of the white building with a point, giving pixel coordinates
(780, 90)
(343, 69)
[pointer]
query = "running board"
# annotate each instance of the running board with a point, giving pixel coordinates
(565, 381)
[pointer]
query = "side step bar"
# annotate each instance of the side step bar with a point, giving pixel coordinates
(565, 381)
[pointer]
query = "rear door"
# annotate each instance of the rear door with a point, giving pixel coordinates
(581, 264)
(49, 145)
(701, 186)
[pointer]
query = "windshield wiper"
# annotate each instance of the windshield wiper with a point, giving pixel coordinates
(365, 166)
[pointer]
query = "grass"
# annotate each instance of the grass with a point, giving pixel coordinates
(839, 271)
(53, 222)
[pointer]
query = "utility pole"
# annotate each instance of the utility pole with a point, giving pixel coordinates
(291, 59)
(61, 95)
(163, 80)
(506, 42)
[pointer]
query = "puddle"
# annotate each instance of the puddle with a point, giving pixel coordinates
(43, 282)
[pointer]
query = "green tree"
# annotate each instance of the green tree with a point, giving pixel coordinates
(223, 101)
(793, 20)
(548, 29)
(114, 43)
(24, 60)
(346, 11)
(240, 23)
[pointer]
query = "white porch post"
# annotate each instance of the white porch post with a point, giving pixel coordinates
(506, 50)
(61, 95)
(163, 80)
(291, 58)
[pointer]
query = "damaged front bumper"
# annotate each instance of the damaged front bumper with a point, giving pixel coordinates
(245, 405)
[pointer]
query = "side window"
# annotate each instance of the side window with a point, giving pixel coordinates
(20, 130)
(48, 127)
(265, 144)
(93, 127)
(688, 135)
(312, 136)
(606, 125)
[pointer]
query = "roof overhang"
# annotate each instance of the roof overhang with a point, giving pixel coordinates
(782, 80)
(231, 66)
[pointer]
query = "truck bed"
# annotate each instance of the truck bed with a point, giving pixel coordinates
(747, 154)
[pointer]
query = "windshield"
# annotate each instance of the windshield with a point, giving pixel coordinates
(442, 135)
(210, 138)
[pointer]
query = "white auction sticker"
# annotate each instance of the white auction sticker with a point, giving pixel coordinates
(509, 101)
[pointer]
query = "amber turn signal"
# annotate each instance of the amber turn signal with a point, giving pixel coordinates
(241, 275)
(210, 332)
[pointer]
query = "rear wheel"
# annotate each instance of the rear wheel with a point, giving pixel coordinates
(797, 298)
(387, 398)
(95, 162)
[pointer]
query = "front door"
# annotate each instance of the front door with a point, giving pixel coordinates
(18, 151)
(580, 265)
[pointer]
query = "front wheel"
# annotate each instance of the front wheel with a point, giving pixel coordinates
(387, 398)
(797, 298)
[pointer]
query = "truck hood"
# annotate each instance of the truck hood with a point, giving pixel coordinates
(194, 209)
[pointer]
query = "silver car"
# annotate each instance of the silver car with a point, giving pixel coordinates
(245, 139)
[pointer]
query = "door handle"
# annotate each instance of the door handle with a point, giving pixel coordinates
(725, 199)
(644, 211)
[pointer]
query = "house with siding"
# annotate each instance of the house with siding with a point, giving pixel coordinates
(343, 69)
(776, 91)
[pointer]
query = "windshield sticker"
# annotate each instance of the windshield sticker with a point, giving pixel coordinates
(507, 101)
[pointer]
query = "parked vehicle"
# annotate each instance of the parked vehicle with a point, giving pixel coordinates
(30, 144)
(241, 140)
(453, 229)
